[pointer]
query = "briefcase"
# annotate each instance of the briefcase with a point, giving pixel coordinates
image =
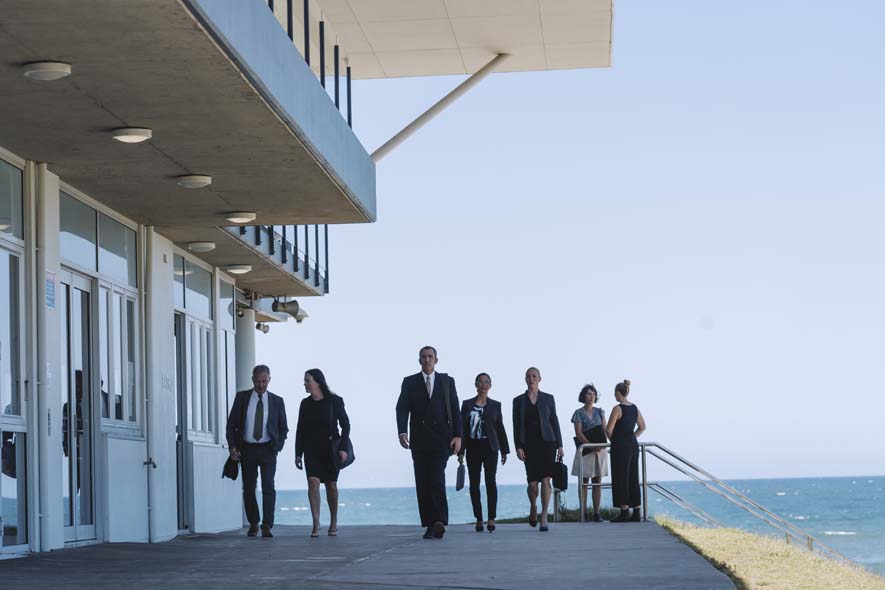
(560, 476)
(231, 469)
(459, 478)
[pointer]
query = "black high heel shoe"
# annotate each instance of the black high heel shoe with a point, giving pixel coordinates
(491, 526)
(478, 526)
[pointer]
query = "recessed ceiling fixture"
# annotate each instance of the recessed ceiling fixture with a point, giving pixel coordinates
(132, 134)
(47, 70)
(194, 180)
(238, 269)
(201, 246)
(241, 216)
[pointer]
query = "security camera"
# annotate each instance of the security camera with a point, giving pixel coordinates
(290, 307)
(262, 327)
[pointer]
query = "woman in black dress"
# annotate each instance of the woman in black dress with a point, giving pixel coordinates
(484, 437)
(625, 423)
(538, 442)
(318, 418)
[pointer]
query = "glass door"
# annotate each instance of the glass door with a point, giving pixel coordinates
(77, 377)
(181, 427)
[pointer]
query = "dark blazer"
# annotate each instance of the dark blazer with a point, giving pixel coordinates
(493, 420)
(339, 416)
(549, 422)
(425, 419)
(277, 425)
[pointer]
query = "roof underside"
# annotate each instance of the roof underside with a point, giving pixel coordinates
(397, 38)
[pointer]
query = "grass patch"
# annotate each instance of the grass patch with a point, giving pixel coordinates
(757, 562)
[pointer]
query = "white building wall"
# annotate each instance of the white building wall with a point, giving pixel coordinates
(218, 503)
(125, 492)
(160, 373)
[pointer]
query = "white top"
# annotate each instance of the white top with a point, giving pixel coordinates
(250, 419)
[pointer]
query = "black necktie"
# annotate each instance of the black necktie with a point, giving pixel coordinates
(258, 430)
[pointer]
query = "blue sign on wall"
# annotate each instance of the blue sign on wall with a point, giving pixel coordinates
(50, 290)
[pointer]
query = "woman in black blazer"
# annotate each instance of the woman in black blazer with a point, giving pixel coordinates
(484, 436)
(538, 442)
(318, 418)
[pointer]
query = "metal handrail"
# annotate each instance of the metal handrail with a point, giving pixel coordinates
(713, 484)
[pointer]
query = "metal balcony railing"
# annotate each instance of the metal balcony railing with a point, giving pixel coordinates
(301, 249)
(284, 11)
(791, 532)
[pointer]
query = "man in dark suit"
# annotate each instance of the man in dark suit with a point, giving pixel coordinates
(256, 433)
(427, 411)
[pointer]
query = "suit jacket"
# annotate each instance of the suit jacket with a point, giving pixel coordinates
(493, 420)
(549, 422)
(424, 419)
(277, 425)
(339, 416)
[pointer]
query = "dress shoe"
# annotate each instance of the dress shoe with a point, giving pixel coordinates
(439, 529)
(428, 534)
(637, 515)
(596, 517)
(533, 517)
(624, 516)
(479, 526)
(491, 526)
(253, 530)
(544, 528)
(265, 531)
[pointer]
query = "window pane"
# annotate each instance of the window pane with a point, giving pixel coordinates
(130, 360)
(116, 250)
(117, 319)
(10, 380)
(226, 305)
(77, 240)
(104, 339)
(198, 296)
(14, 488)
(11, 200)
(196, 376)
(208, 411)
(178, 275)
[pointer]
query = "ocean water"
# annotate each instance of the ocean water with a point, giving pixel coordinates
(846, 513)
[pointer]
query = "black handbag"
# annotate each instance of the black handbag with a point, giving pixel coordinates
(459, 478)
(595, 435)
(338, 443)
(560, 476)
(231, 469)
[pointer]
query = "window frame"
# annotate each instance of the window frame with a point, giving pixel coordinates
(18, 422)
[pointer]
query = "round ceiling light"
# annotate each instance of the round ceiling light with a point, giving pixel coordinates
(241, 216)
(201, 246)
(238, 269)
(47, 70)
(194, 181)
(132, 134)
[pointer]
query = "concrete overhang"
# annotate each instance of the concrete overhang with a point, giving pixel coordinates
(223, 89)
(394, 38)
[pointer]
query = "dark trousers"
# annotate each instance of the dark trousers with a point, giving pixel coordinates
(430, 486)
(480, 455)
(253, 458)
(625, 476)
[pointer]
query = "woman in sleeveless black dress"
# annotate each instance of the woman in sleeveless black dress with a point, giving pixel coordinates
(625, 423)
(318, 418)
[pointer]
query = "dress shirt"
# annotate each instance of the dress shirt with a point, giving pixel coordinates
(250, 419)
(424, 384)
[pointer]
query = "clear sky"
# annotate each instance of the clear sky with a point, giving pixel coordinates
(703, 218)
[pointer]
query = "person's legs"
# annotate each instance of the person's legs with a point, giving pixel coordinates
(635, 492)
(474, 466)
(582, 495)
(620, 478)
(532, 491)
(420, 464)
(490, 464)
(597, 493)
(313, 498)
(332, 500)
(268, 490)
(545, 500)
(439, 505)
(249, 465)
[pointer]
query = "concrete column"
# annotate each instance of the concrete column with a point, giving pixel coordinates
(49, 394)
(245, 349)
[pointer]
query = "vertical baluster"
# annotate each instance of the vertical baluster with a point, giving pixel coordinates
(285, 252)
(242, 230)
(306, 251)
(257, 229)
(270, 5)
(307, 31)
(326, 238)
(337, 73)
(349, 113)
(271, 241)
(295, 248)
(322, 54)
(290, 27)
(316, 263)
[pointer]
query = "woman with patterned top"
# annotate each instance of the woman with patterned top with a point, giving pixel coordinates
(590, 427)
(484, 437)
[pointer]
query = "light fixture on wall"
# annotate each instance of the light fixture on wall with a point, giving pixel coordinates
(238, 269)
(132, 134)
(194, 180)
(46, 70)
(201, 246)
(262, 327)
(240, 216)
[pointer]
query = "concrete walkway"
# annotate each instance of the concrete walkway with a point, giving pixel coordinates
(607, 556)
